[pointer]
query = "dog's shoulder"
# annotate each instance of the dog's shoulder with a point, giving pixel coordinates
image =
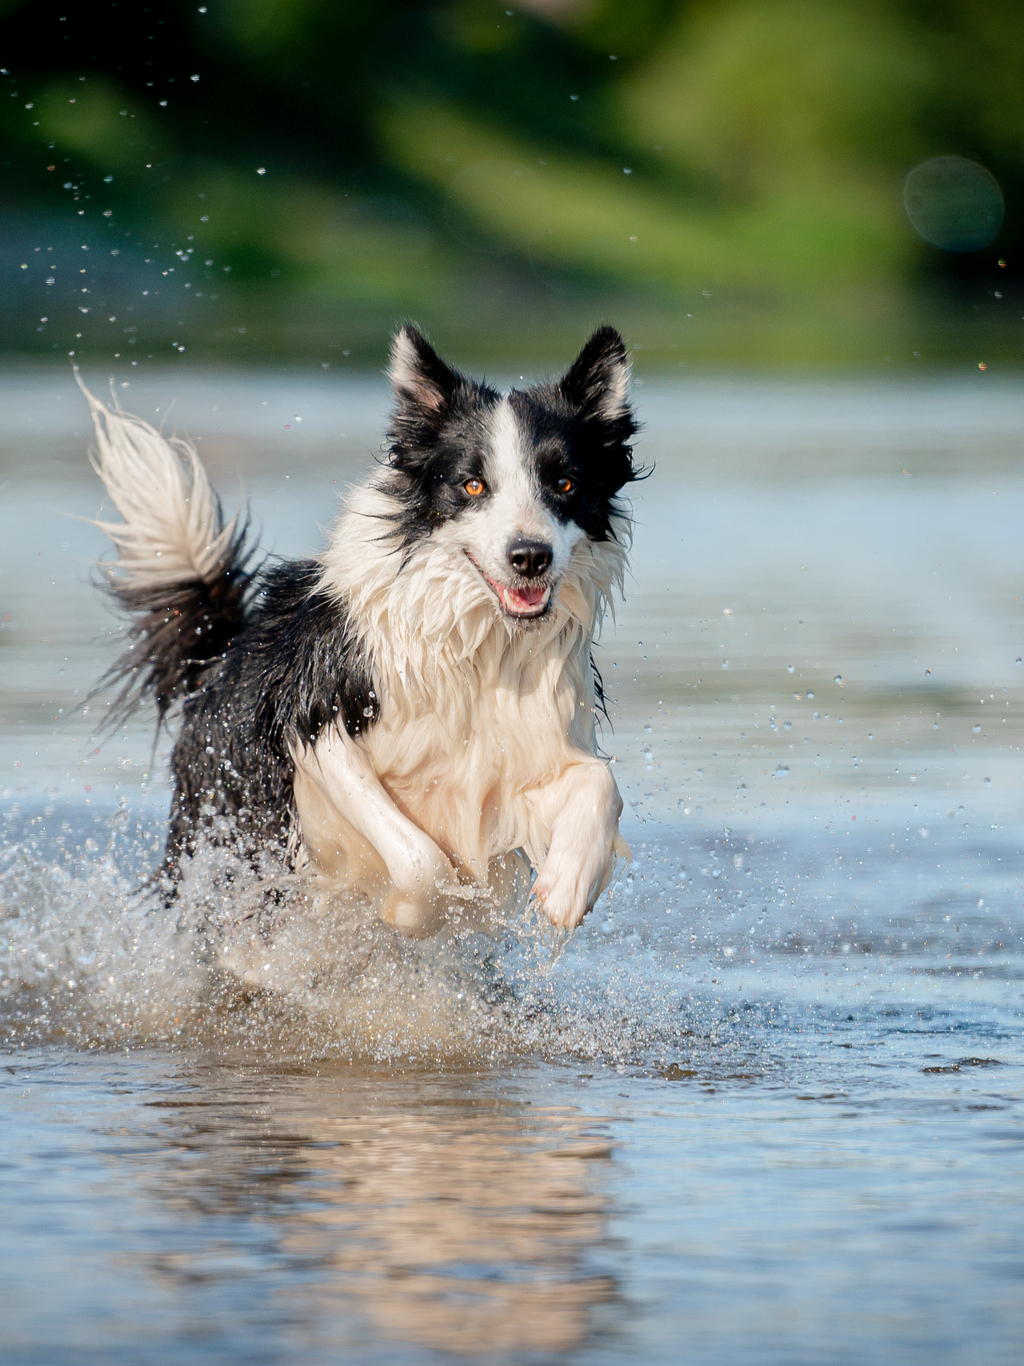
(297, 667)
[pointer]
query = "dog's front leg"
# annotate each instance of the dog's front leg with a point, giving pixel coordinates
(581, 809)
(419, 870)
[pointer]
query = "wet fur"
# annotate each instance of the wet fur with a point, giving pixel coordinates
(377, 710)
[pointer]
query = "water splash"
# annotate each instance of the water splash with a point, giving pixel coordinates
(93, 954)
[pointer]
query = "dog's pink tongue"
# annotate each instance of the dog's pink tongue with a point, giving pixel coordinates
(525, 599)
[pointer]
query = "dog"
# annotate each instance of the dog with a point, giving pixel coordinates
(413, 713)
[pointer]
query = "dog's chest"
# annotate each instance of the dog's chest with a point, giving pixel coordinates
(462, 767)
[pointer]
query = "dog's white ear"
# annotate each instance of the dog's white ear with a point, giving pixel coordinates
(597, 382)
(417, 373)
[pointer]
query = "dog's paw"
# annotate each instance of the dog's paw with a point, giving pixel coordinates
(569, 883)
(585, 843)
(415, 915)
(417, 905)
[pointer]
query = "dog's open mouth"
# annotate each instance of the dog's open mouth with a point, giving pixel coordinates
(523, 603)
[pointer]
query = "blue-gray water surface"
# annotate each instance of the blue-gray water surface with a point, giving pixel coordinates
(764, 1107)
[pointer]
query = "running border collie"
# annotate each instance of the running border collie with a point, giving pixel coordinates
(413, 712)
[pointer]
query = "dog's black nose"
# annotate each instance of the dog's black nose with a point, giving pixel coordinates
(531, 559)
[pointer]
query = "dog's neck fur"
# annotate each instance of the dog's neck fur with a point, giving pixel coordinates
(430, 625)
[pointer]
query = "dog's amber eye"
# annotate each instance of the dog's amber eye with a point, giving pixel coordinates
(565, 484)
(475, 487)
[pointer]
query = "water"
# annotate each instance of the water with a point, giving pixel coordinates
(764, 1108)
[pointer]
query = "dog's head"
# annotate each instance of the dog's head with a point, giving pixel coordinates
(512, 481)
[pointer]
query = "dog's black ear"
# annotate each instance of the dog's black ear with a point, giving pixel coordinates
(418, 375)
(598, 380)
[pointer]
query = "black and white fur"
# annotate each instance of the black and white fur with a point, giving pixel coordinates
(413, 713)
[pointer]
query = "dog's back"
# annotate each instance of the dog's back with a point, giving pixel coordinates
(251, 660)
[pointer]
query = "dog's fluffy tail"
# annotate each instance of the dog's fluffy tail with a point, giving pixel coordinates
(181, 571)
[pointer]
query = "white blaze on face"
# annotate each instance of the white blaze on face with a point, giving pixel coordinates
(514, 507)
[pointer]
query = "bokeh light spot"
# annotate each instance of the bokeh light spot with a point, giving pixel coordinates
(954, 203)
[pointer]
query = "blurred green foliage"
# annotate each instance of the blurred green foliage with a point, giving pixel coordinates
(724, 177)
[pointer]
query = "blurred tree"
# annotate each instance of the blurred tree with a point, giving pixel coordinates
(356, 160)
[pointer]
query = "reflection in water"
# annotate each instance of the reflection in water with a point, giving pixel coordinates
(459, 1222)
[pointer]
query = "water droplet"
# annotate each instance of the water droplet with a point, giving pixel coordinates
(789, 668)
(810, 697)
(782, 771)
(838, 678)
(977, 729)
(988, 782)
(367, 711)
